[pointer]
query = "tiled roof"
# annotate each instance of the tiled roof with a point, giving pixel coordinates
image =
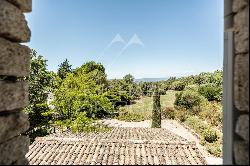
(128, 146)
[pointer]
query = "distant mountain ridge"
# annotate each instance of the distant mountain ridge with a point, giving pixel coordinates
(150, 79)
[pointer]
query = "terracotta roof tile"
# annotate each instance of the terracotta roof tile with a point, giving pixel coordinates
(117, 147)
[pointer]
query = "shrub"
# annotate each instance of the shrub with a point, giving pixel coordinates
(214, 149)
(188, 99)
(178, 85)
(196, 110)
(211, 92)
(192, 87)
(168, 113)
(210, 135)
(196, 124)
(211, 112)
(129, 116)
(182, 115)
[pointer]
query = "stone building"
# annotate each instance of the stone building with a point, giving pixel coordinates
(14, 64)
(236, 78)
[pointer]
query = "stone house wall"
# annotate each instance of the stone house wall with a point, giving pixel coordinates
(240, 8)
(14, 64)
(237, 21)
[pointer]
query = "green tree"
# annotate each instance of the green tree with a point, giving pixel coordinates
(64, 69)
(82, 97)
(202, 78)
(211, 91)
(188, 99)
(90, 66)
(146, 88)
(55, 82)
(97, 71)
(129, 79)
(217, 78)
(156, 112)
(39, 79)
(178, 85)
(39, 83)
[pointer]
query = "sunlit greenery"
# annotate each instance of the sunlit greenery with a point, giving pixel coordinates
(83, 95)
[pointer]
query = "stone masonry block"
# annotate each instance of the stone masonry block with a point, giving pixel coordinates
(242, 127)
(14, 150)
(21, 161)
(239, 4)
(13, 25)
(14, 58)
(241, 24)
(13, 95)
(12, 125)
(24, 5)
(241, 82)
(241, 152)
(241, 42)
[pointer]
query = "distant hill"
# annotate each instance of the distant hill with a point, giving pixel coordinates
(150, 79)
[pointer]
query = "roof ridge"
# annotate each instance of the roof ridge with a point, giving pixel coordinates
(135, 141)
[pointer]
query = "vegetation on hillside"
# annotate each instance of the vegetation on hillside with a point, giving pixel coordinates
(84, 94)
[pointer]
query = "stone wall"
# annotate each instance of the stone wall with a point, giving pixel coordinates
(14, 64)
(240, 10)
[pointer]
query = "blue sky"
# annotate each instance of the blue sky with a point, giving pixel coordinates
(178, 37)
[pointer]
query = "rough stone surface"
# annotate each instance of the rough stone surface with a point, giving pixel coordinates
(241, 26)
(242, 127)
(241, 43)
(24, 5)
(14, 58)
(12, 23)
(12, 125)
(14, 150)
(13, 95)
(241, 152)
(241, 82)
(239, 4)
(21, 161)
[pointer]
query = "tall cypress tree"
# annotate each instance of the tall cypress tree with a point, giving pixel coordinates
(156, 113)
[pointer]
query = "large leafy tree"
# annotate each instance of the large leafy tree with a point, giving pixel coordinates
(39, 83)
(82, 94)
(117, 92)
(64, 69)
(96, 70)
(133, 89)
(39, 79)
